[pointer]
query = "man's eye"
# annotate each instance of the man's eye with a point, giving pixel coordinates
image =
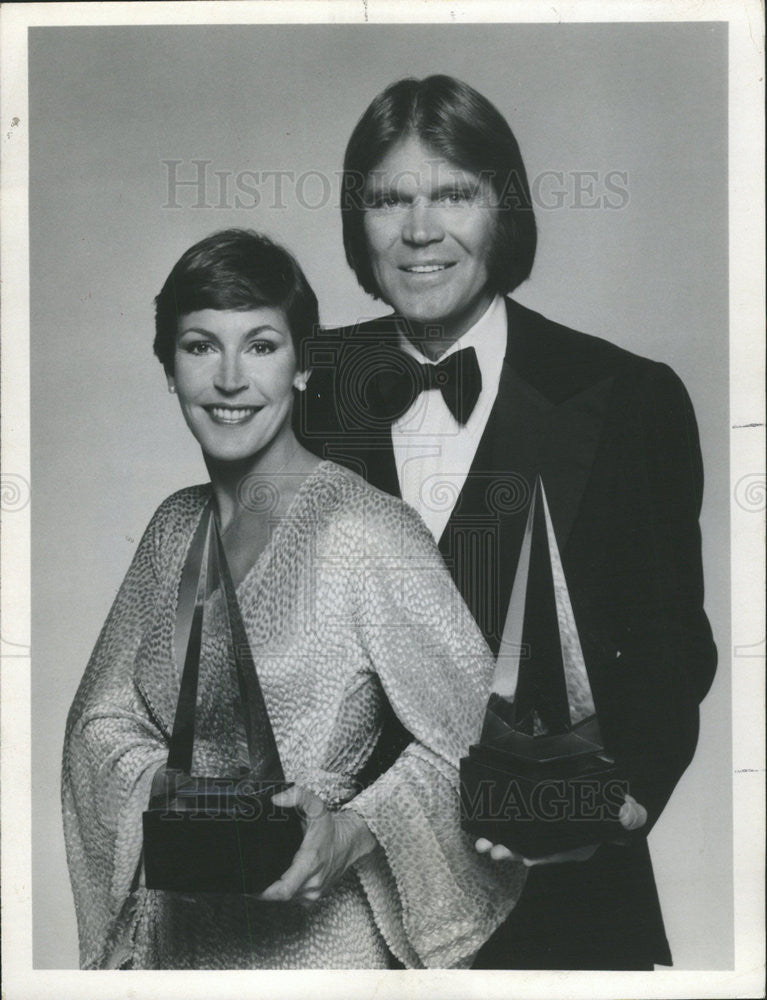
(384, 201)
(457, 197)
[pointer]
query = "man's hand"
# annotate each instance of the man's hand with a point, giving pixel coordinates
(332, 842)
(632, 816)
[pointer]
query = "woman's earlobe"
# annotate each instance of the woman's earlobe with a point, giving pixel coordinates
(171, 386)
(300, 381)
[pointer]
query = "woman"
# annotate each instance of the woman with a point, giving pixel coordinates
(346, 604)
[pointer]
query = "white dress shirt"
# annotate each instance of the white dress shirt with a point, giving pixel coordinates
(432, 451)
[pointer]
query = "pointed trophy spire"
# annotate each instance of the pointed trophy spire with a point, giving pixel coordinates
(540, 685)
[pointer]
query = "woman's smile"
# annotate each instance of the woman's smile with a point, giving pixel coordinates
(232, 415)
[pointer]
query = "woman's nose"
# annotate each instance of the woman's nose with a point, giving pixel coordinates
(423, 224)
(230, 376)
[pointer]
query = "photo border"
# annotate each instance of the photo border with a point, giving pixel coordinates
(747, 439)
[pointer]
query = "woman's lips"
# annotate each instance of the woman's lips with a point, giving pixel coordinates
(232, 414)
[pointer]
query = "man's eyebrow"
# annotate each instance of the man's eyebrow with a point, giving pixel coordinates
(379, 185)
(457, 184)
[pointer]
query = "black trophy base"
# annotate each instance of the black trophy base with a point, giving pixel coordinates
(540, 807)
(219, 835)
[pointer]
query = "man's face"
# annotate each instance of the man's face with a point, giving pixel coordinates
(430, 227)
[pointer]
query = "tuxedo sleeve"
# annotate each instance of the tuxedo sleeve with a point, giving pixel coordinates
(659, 658)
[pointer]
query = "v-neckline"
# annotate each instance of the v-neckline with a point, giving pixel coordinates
(256, 571)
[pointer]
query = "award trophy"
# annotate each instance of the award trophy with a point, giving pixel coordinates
(218, 834)
(539, 781)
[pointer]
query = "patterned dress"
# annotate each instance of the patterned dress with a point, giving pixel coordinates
(348, 604)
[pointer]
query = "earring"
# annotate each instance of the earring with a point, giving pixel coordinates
(171, 389)
(300, 384)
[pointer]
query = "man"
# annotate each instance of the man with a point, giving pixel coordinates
(457, 402)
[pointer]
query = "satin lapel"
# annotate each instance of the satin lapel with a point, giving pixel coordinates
(526, 435)
(506, 461)
(532, 436)
(564, 416)
(481, 541)
(568, 453)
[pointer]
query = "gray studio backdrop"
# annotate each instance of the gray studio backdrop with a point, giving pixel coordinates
(624, 132)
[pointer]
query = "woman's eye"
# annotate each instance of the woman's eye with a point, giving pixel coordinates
(197, 347)
(261, 347)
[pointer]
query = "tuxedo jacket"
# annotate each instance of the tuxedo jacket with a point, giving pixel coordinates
(614, 439)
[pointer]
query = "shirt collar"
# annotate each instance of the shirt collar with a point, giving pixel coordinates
(487, 337)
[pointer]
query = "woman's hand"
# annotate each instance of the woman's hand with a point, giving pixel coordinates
(332, 842)
(632, 816)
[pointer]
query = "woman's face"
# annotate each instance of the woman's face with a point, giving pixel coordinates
(234, 373)
(430, 229)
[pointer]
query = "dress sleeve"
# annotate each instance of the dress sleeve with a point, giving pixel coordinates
(434, 898)
(112, 749)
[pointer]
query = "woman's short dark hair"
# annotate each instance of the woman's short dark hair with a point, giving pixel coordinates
(461, 125)
(234, 269)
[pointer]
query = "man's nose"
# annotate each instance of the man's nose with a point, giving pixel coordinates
(230, 376)
(423, 224)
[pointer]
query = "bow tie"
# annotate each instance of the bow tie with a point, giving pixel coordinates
(400, 380)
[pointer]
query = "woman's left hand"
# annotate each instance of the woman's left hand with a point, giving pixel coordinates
(332, 842)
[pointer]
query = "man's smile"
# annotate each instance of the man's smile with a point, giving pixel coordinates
(431, 267)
